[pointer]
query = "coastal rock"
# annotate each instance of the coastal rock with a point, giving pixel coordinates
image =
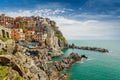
(55, 53)
(83, 56)
(68, 61)
(73, 46)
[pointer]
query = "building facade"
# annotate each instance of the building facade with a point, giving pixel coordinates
(5, 32)
(4, 20)
(17, 34)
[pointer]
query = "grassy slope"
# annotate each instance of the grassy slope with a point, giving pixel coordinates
(5, 71)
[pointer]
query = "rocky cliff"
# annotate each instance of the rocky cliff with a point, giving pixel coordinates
(55, 38)
(37, 67)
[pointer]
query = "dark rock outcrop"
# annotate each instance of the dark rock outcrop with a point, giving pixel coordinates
(73, 46)
(83, 56)
(68, 61)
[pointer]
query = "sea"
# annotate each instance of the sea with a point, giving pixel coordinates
(98, 66)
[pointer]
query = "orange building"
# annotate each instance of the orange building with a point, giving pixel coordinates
(14, 34)
(37, 38)
(17, 34)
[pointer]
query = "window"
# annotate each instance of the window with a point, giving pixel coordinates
(7, 34)
(3, 33)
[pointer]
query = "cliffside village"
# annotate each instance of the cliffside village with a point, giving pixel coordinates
(31, 31)
(27, 46)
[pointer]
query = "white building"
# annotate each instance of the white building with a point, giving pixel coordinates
(5, 32)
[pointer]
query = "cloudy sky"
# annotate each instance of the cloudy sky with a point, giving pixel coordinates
(77, 19)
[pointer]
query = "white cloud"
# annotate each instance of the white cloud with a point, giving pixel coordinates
(87, 16)
(90, 29)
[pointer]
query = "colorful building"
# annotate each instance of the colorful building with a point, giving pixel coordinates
(17, 34)
(26, 28)
(4, 20)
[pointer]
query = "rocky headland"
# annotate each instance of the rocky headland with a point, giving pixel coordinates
(31, 59)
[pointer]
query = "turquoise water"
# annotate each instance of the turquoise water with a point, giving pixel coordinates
(99, 66)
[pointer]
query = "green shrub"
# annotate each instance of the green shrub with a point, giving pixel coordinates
(2, 52)
(4, 39)
(3, 72)
(58, 33)
(18, 78)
